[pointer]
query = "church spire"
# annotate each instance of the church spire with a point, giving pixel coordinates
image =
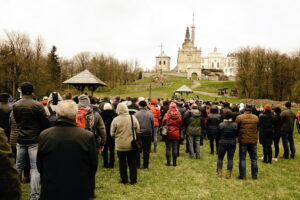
(187, 35)
(193, 31)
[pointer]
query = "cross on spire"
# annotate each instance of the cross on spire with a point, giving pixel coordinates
(161, 48)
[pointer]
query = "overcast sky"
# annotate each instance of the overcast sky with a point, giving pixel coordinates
(134, 29)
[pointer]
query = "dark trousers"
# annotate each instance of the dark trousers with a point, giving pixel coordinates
(127, 158)
(298, 127)
(288, 144)
(171, 145)
(146, 146)
(252, 150)
(276, 144)
(267, 150)
(211, 143)
(108, 154)
(224, 148)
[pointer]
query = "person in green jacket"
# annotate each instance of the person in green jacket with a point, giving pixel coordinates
(10, 186)
(287, 130)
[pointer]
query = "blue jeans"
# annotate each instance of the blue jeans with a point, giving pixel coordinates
(288, 144)
(31, 150)
(194, 146)
(156, 128)
(252, 150)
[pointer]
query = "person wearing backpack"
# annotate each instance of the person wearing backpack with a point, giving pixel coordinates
(192, 122)
(90, 120)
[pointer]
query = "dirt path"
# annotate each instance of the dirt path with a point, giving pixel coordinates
(195, 84)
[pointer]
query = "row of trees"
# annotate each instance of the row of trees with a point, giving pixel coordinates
(266, 73)
(22, 59)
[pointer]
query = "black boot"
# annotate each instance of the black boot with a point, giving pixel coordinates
(168, 161)
(174, 162)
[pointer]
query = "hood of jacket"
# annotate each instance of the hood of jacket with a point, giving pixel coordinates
(122, 109)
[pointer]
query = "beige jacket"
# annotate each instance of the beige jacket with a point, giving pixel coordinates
(121, 128)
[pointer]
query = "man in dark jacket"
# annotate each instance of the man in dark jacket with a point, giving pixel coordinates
(5, 110)
(31, 120)
(10, 187)
(193, 121)
(146, 121)
(287, 131)
(212, 126)
(248, 136)
(67, 158)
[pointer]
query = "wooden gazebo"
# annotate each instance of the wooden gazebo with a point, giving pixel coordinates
(85, 79)
(183, 89)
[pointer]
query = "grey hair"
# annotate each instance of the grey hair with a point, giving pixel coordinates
(67, 109)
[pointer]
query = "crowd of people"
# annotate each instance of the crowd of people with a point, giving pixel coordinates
(58, 139)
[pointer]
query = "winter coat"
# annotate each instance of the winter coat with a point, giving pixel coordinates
(146, 122)
(248, 127)
(108, 116)
(287, 120)
(31, 119)
(10, 186)
(228, 132)
(266, 128)
(14, 131)
(277, 126)
(213, 121)
(5, 110)
(66, 161)
(192, 122)
(121, 128)
(133, 108)
(156, 114)
(174, 120)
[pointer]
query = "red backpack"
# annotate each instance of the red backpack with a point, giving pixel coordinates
(85, 119)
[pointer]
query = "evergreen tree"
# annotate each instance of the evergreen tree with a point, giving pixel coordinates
(54, 67)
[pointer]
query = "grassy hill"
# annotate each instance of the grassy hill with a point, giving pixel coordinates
(142, 87)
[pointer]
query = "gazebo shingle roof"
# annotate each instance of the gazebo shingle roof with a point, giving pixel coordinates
(85, 77)
(184, 89)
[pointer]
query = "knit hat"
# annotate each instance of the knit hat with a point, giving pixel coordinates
(84, 100)
(107, 106)
(248, 107)
(26, 88)
(141, 99)
(267, 107)
(153, 102)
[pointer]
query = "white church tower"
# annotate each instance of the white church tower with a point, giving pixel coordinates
(162, 62)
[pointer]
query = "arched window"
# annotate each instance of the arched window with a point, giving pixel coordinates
(164, 62)
(212, 64)
(160, 62)
(217, 65)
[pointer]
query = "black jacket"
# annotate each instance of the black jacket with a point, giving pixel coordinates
(266, 128)
(213, 121)
(228, 132)
(31, 119)
(108, 116)
(5, 110)
(67, 161)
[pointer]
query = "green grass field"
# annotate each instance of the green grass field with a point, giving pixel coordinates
(158, 91)
(196, 179)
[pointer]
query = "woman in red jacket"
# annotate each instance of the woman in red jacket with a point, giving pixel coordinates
(174, 121)
(156, 115)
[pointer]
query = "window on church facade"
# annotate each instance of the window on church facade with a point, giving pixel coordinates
(164, 62)
(212, 65)
(160, 62)
(218, 65)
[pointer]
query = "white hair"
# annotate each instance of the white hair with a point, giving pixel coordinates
(67, 109)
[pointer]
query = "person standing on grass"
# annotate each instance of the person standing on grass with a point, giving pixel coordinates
(173, 121)
(213, 121)
(277, 133)
(156, 114)
(121, 130)
(5, 110)
(287, 131)
(31, 120)
(108, 114)
(67, 157)
(227, 144)
(266, 132)
(193, 122)
(248, 136)
(146, 121)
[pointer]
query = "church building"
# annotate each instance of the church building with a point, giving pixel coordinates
(191, 62)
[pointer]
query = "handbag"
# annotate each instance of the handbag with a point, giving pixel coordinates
(164, 129)
(135, 143)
